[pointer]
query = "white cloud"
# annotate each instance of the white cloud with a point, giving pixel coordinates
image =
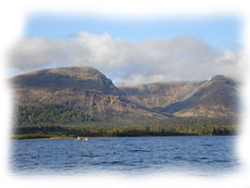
(132, 62)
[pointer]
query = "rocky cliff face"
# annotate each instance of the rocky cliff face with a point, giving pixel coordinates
(87, 89)
(216, 97)
(83, 88)
(160, 95)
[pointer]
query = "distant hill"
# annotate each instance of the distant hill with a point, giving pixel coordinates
(212, 98)
(88, 90)
(81, 88)
(68, 102)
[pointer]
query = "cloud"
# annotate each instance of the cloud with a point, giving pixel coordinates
(128, 61)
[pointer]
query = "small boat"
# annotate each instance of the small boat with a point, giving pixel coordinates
(79, 138)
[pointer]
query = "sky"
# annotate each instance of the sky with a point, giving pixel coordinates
(220, 31)
(132, 51)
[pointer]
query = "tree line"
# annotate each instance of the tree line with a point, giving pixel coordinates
(53, 120)
(110, 131)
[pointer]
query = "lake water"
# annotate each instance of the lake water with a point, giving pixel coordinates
(197, 155)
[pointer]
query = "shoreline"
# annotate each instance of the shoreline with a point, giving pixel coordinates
(58, 137)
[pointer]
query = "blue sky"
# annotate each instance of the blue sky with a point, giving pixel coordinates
(219, 31)
(127, 50)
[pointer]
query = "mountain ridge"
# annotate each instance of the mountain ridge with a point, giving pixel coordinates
(215, 97)
(82, 88)
(87, 89)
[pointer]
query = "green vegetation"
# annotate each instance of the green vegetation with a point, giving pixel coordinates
(49, 114)
(110, 131)
(50, 121)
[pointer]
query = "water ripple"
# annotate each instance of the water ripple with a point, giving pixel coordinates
(137, 154)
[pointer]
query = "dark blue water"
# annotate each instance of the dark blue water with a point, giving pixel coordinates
(198, 155)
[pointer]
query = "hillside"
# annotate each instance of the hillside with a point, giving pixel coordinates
(49, 114)
(212, 98)
(68, 102)
(88, 90)
(160, 95)
(81, 88)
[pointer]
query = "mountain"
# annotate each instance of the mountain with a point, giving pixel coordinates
(88, 90)
(217, 97)
(81, 88)
(212, 98)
